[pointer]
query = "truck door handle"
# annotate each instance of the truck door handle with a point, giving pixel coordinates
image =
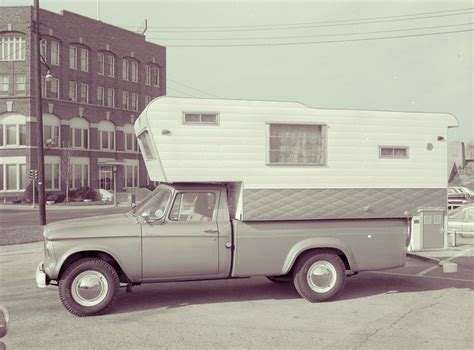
(210, 231)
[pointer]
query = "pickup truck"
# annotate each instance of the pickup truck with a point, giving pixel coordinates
(185, 232)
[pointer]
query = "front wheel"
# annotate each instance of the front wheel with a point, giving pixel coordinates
(319, 276)
(88, 287)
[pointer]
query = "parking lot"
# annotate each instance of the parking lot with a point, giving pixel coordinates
(417, 306)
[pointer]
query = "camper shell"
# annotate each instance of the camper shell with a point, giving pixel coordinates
(287, 161)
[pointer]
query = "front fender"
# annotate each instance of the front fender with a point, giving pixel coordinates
(128, 256)
(317, 242)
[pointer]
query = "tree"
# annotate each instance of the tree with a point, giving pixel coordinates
(66, 169)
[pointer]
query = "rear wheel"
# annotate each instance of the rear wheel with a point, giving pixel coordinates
(319, 276)
(88, 287)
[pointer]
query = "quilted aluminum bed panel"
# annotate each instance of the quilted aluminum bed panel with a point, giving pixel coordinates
(338, 203)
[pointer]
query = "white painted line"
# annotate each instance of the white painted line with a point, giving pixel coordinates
(407, 275)
(461, 253)
(427, 270)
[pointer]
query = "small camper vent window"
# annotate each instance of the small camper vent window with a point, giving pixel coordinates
(201, 118)
(147, 149)
(297, 144)
(393, 152)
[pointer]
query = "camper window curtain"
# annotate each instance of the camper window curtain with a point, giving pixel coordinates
(296, 144)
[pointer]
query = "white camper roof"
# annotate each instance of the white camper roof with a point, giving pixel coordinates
(234, 146)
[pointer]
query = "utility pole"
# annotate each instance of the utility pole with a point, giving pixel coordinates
(39, 113)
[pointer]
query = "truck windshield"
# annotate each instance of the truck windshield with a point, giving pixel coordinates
(154, 205)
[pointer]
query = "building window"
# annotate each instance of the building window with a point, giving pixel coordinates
(147, 75)
(125, 69)
(106, 135)
(155, 77)
(20, 84)
(134, 101)
(84, 93)
(54, 53)
(14, 134)
(134, 68)
(72, 57)
(111, 66)
(393, 152)
(79, 132)
(54, 88)
(101, 63)
(50, 88)
(12, 176)
(110, 97)
(51, 176)
(291, 144)
(12, 131)
(130, 141)
(125, 99)
(12, 49)
(201, 118)
(147, 99)
(44, 49)
(51, 135)
(107, 140)
(84, 60)
(80, 175)
(72, 91)
(4, 85)
(100, 96)
(131, 175)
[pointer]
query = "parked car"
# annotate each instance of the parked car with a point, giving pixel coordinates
(456, 197)
(469, 194)
(462, 221)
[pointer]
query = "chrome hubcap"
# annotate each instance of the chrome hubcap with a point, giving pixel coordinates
(89, 288)
(322, 276)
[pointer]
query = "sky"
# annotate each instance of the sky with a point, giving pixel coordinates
(421, 73)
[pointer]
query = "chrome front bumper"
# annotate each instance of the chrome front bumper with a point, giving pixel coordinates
(41, 279)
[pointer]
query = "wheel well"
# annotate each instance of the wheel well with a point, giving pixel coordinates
(335, 251)
(94, 254)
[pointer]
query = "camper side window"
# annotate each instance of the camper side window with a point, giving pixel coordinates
(201, 118)
(393, 152)
(297, 144)
(144, 138)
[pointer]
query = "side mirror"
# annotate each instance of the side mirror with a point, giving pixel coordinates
(4, 320)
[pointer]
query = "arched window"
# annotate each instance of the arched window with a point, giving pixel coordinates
(12, 47)
(12, 130)
(51, 130)
(79, 132)
(107, 135)
(130, 141)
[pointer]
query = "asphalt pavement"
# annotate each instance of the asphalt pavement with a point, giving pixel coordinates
(393, 309)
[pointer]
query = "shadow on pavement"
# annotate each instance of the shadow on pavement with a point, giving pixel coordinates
(175, 295)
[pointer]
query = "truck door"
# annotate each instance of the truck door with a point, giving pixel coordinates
(185, 244)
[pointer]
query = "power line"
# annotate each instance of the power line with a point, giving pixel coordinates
(192, 88)
(180, 92)
(197, 30)
(325, 42)
(313, 36)
(318, 22)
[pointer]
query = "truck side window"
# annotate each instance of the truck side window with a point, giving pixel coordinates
(193, 207)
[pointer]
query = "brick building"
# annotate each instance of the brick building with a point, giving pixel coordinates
(103, 76)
